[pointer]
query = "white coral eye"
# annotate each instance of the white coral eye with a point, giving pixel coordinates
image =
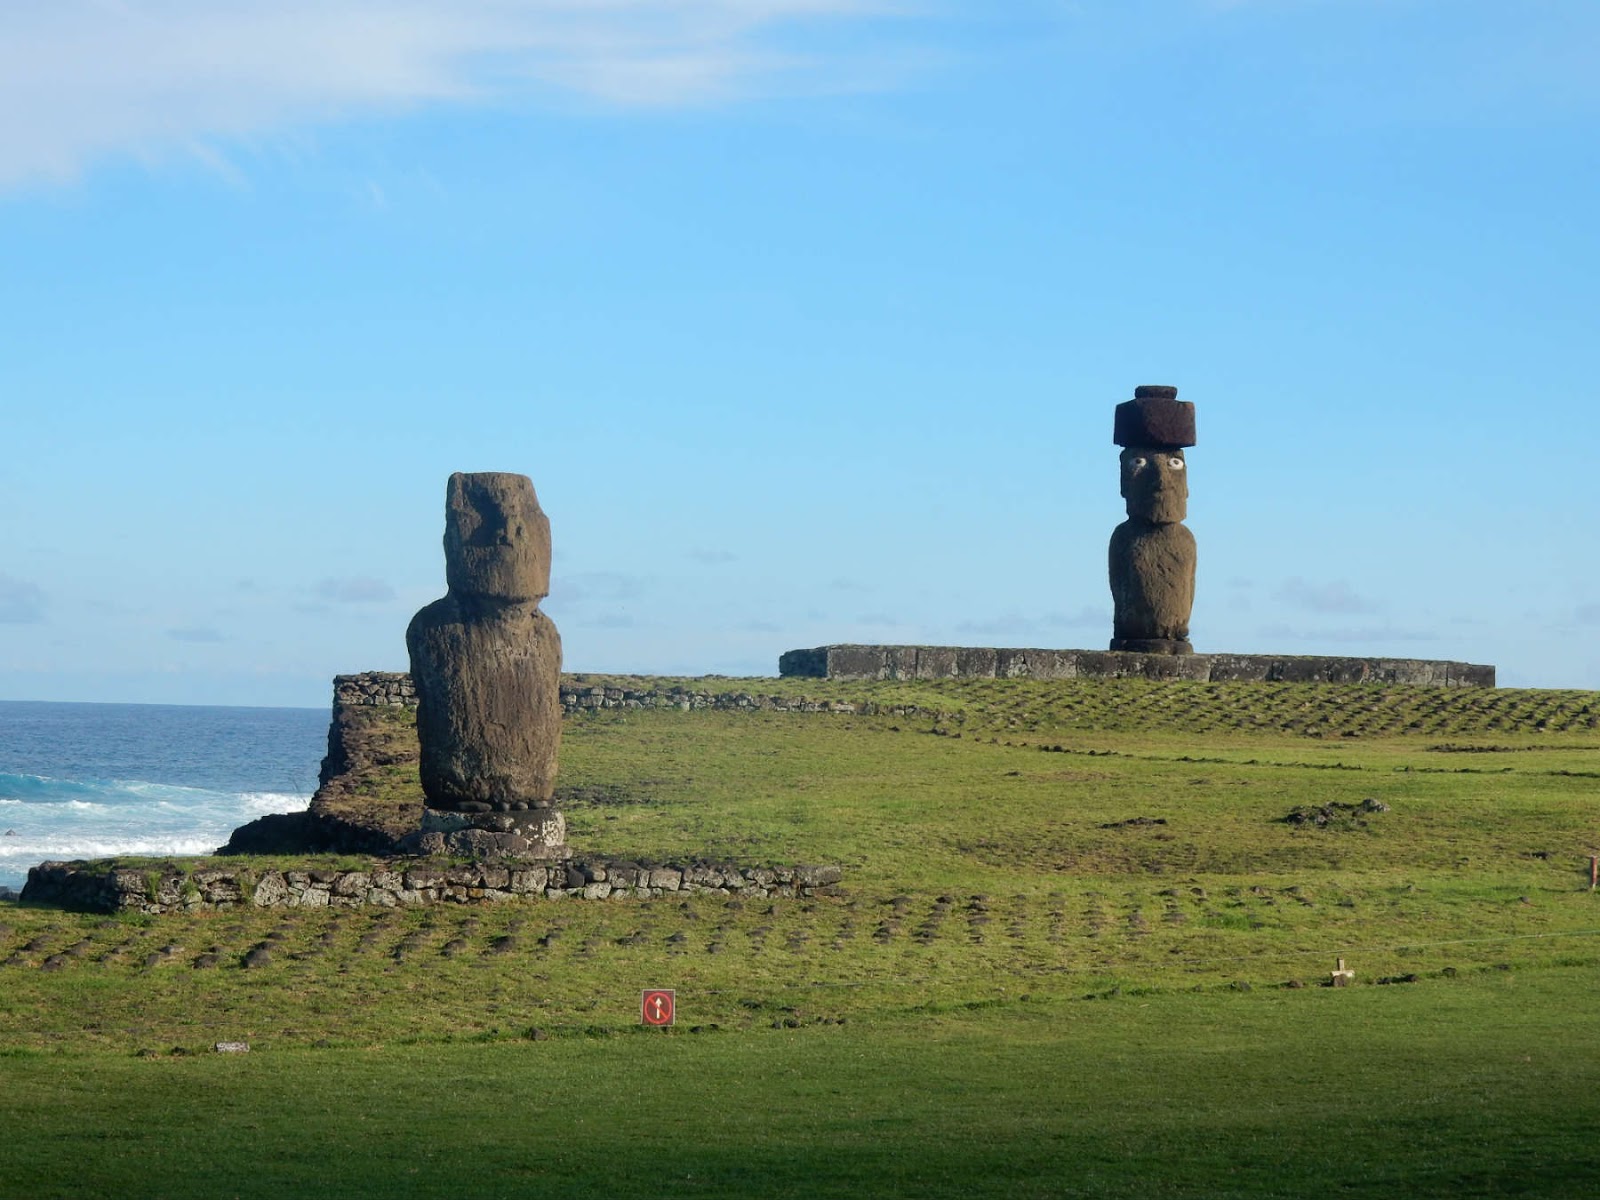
(1175, 463)
(1136, 462)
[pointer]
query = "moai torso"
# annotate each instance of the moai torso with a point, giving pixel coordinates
(1152, 554)
(485, 661)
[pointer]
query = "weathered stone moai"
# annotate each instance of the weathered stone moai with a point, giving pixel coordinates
(487, 669)
(1152, 554)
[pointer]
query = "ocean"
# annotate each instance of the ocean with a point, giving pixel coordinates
(90, 780)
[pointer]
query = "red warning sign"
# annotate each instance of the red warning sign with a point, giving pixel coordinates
(656, 1007)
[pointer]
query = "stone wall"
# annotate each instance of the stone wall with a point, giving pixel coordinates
(375, 687)
(987, 662)
(395, 688)
(409, 883)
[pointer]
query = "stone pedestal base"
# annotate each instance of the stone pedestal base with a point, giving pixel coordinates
(1152, 645)
(537, 834)
(994, 662)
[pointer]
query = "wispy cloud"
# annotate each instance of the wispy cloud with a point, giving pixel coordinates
(713, 558)
(1335, 596)
(881, 620)
(610, 620)
(195, 633)
(84, 79)
(1369, 636)
(21, 602)
(597, 599)
(586, 587)
(355, 589)
(1015, 625)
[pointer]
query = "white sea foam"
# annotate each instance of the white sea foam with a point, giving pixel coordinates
(79, 781)
(32, 851)
(262, 803)
(143, 787)
(159, 821)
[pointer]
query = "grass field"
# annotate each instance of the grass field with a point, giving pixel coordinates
(1078, 952)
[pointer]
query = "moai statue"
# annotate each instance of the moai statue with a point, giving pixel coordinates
(487, 668)
(1152, 554)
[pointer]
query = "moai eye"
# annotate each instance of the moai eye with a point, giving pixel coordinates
(1175, 463)
(1136, 461)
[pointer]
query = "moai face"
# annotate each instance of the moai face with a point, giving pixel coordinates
(496, 538)
(1155, 483)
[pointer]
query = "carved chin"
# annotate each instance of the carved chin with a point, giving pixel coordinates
(1163, 508)
(501, 573)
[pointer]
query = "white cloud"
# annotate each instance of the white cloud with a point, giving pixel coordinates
(81, 80)
(355, 589)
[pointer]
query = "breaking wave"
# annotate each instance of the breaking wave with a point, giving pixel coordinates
(99, 780)
(43, 819)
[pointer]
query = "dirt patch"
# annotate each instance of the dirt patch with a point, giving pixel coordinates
(599, 796)
(1335, 815)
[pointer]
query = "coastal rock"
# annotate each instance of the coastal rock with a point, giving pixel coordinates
(277, 833)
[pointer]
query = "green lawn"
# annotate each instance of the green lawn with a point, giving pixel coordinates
(1480, 1087)
(1065, 961)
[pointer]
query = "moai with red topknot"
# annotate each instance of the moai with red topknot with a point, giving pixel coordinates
(1152, 554)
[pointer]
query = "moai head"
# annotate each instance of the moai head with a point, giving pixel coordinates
(1153, 428)
(1155, 484)
(496, 537)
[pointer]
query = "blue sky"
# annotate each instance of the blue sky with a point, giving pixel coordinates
(806, 317)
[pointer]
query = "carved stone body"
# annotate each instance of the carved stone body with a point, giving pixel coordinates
(1152, 555)
(1152, 586)
(485, 661)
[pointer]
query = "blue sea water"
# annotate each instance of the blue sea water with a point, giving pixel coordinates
(89, 780)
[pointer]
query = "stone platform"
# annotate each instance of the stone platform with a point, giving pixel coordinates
(400, 882)
(539, 834)
(988, 662)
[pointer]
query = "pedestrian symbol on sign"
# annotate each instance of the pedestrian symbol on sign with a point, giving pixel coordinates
(656, 1007)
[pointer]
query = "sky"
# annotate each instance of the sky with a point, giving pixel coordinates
(807, 318)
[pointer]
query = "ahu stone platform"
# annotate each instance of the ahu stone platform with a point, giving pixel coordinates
(403, 883)
(989, 662)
